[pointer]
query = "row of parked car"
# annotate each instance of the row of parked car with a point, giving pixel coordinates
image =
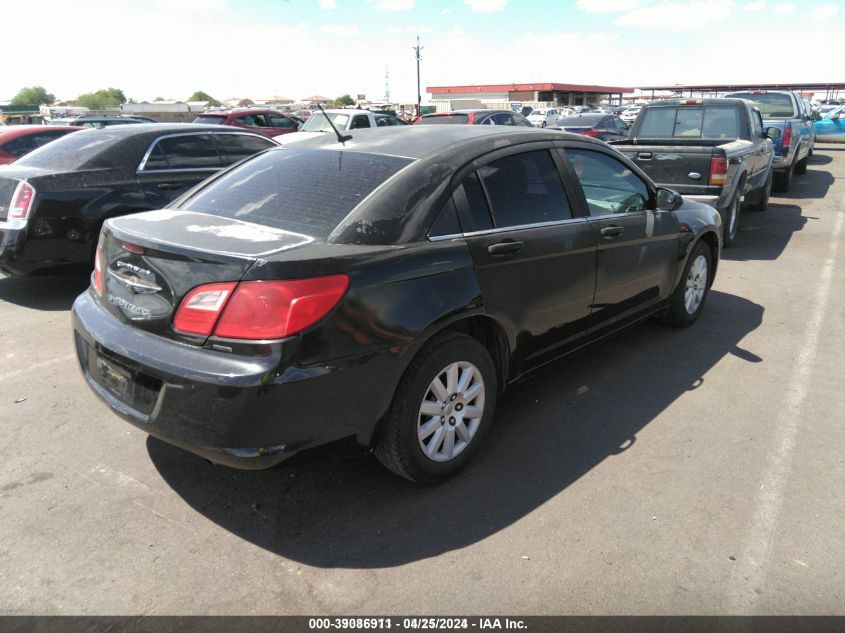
(372, 284)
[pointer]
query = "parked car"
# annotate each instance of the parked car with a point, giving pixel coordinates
(19, 140)
(95, 121)
(629, 114)
(787, 112)
(257, 120)
(383, 292)
(344, 119)
(605, 127)
(831, 127)
(542, 117)
(474, 117)
(712, 150)
(54, 200)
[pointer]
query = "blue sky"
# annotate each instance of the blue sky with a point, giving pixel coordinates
(295, 48)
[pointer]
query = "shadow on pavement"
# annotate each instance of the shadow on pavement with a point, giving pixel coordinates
(43, 293)
(763, 235)
(813, 184)
(352, 513)
(819, 159)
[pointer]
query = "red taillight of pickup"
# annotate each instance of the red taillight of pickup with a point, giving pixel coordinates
(718, 170)
(592, 133)
(259, 310)
(787, 136)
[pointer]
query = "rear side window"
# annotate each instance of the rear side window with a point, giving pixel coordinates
(711, 122)
(281, 122)
(478, 212)
(239, 146)
(189, 151)
(525, 189)
(771, 104)
(74, 151)
(300, 190)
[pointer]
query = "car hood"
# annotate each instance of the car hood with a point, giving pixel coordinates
(287, 139)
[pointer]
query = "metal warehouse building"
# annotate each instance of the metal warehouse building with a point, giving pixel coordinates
(554, 93)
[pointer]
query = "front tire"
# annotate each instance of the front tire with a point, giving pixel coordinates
(688, 298)
(441, 410)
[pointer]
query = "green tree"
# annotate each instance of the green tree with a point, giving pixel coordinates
(102, 99)
(199, 95)
(36, 95)
(344, 100)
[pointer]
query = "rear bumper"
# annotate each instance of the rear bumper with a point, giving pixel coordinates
(245, 412)
(11, 247)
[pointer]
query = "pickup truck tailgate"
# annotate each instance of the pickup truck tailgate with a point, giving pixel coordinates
(687, 170)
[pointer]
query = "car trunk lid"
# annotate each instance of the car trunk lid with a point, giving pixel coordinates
(148, 262)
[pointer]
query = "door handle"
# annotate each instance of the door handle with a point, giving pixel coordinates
(612, 231)
(169, 185)
(505, 248)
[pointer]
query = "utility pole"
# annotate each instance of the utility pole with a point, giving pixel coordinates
(418, 48)
(386, 85)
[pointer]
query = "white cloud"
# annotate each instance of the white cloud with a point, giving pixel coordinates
(603, 38)
(445, 11)
(395, 5)
(486, 6)
(825, 11)
(409, 29)
(678, 16)
(341, 30)
(607, 6)
(456, 32)
(328, 5)
(784, 8)
(755, 6)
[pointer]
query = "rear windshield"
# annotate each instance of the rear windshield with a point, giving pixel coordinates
(455, 119)
(208, 119)
(300, 190)
(73, 151)
(579, 121)
(771, 104)
(711, 122)
(319, 122)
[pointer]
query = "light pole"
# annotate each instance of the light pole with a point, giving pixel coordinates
(417, 50)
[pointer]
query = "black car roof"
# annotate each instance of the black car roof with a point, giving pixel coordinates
(433, 141)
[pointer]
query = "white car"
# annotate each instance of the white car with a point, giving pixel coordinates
(344, 119)
(630, 114)
(542, 117)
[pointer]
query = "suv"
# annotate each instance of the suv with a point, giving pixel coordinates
(475, 117)
(259, 120)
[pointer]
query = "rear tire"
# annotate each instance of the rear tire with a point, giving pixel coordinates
(758, 200)
(730, 221)
(441, 410)
(783, 180)
(801, 166)
(688, 298)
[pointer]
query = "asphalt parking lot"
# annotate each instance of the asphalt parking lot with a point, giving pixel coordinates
(694, 471)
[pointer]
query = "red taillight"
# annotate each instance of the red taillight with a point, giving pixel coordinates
(21, 201)
(593, 133)
(259, 310)
(201, 308)
(787, 136)
(132, 248)
(718, 170)
(99, 285)
(471, 118)
(692, 101)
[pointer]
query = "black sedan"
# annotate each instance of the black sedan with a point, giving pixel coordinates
(605, 127)
(383, 291)
(54, 200)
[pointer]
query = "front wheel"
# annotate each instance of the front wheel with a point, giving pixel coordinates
(688, 298)
(441, 410)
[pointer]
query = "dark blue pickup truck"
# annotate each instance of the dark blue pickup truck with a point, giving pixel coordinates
(788, 112)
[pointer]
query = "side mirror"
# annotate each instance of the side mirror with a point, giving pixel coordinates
(815, 116)
(668, 200)
(772, 132)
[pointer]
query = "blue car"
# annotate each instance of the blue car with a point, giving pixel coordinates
(831, 128)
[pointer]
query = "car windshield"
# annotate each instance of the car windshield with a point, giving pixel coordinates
(210, 119)
(578, 121)
(319, 122)
(304, 191)
(454, 119)
(771, 104)
(73, 151)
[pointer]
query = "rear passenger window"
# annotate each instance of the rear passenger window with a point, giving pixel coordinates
(360, 121)
(525, 189)
(239, 146)
(478, 213)
(447, 222)
(191, 151)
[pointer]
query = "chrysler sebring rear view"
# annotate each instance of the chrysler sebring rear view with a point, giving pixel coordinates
(380, 292)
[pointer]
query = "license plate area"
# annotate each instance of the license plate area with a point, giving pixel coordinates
(116, 379)
(136, 389)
